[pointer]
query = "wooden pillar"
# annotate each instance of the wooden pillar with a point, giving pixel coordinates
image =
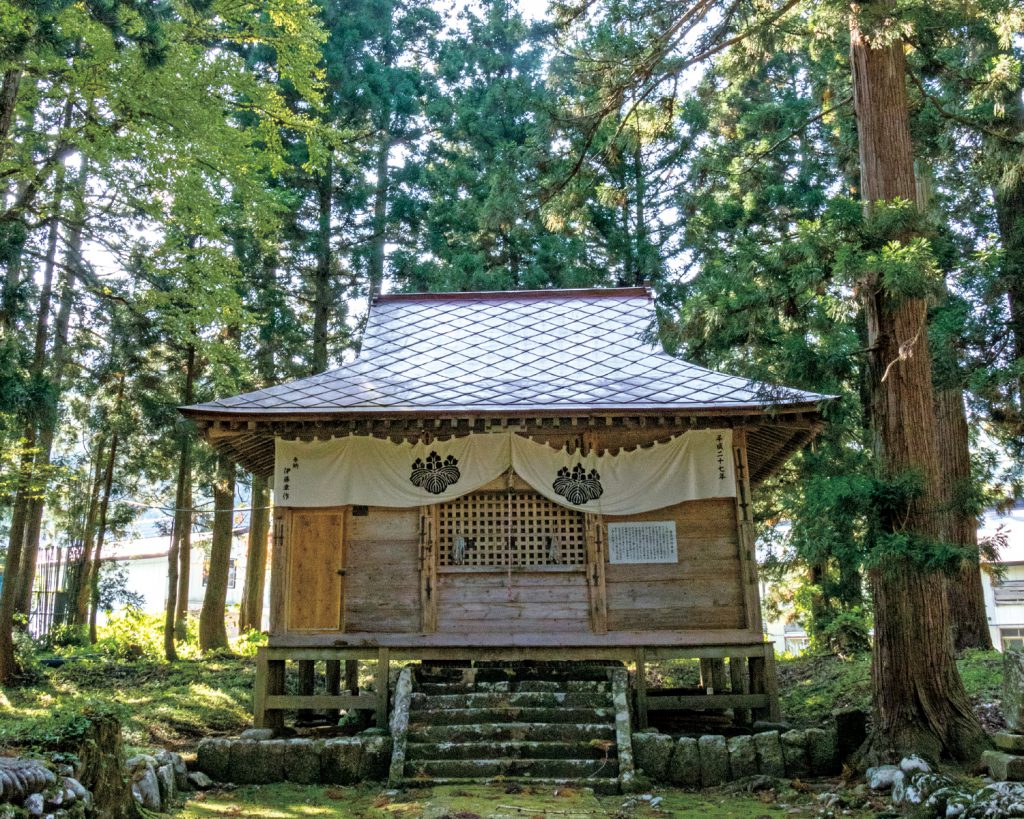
(595, 573)
(259, 693)
(352, 676)
(333, 686)
(306, 687)
(739, 683)
(641, 688)
(745, 533)
(428, 567)
(771, 682)
(382, 684)
(758, 685)
(274, 685)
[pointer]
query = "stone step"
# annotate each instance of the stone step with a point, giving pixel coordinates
(512, 731)
(491, 768)
(479, 674)
(422, 702)
(469, 716)
(522, 686)
(600, 785)
(509, 749)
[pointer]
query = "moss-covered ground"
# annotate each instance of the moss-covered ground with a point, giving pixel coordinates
(175, 705)
(309, 802)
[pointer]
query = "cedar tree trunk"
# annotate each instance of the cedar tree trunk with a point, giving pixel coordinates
(212, 630)
(919, 701)
(964, 590)
(250, 616)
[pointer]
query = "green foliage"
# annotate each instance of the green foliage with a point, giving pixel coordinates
(133, 635)
(845, 634)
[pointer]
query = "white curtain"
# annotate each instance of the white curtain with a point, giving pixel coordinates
(374, 472)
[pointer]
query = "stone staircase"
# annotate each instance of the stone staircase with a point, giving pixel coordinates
(542, 723)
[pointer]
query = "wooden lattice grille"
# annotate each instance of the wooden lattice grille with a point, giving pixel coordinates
(517, 528)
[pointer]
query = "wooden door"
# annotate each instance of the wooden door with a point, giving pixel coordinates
(316, 562)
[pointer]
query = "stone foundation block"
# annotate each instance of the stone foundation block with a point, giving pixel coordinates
(822, 754)
(794, 752)
(714, 761)
(652, 754)
(257, 763)
(302, 761)
(1004, 767)
(1011, 743)
(340, 761)
(770, 761)
(214, 758)
(684, 767)
(742, 757)
(375, 758)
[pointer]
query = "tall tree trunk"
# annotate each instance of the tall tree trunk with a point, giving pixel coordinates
(97, 562)
(323, 287)
(182, 523)
(8, 104)
(49, 417)
(960, 526)
(26, 490)
(250, 616)
(919, 701)
(380, 217)
(78, 585)
(184, 513)
(1009, 205)
(212, 628)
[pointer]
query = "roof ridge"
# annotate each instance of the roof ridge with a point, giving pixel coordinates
(500, 295)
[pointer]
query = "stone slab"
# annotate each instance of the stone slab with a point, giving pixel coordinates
(1004, 767)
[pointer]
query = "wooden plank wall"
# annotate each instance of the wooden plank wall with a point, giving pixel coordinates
(382, 573)
(703, 590)
(476, 602)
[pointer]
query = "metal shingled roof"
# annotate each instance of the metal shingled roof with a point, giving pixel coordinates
(536, 351)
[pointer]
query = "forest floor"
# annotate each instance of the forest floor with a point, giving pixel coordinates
(494, 802)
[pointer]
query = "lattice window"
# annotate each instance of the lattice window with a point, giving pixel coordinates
(501, 529)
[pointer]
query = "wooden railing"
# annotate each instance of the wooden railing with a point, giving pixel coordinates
(747, 685)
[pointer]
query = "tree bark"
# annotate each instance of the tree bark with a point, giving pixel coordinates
(323, 289)
(960, 526)
(78, 587)
(97, 562)
(182, 516)
(212, 628)
(1009, 205)
(8, 104)
(184, 512)
(380, 215)
(250, 616)
(49, 416)
(919, 701)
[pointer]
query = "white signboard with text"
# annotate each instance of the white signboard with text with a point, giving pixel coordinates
(646, 542)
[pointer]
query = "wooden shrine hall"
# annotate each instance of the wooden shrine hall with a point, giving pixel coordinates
(514, 476)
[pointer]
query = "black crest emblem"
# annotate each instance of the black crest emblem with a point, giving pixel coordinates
(435, 476)
(578, 486)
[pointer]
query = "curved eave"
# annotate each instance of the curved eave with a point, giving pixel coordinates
(213, 412)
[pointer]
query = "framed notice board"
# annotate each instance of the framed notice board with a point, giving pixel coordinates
(643, 542)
